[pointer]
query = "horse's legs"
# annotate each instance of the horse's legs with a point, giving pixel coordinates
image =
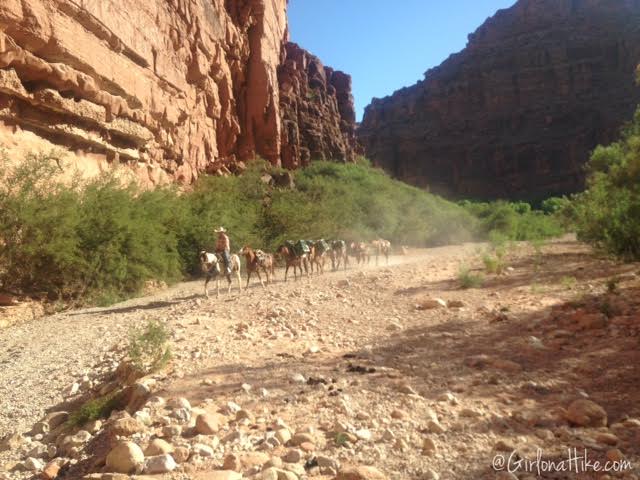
(249, 277)
(286, 271)
(218, 286)
(206, 281)
(260, 278)
(239, 277)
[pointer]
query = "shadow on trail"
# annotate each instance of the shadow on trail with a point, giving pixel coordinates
(133, 308)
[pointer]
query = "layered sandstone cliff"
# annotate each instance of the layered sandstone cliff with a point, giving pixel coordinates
(170, 88)
(516, 113)
(317, 110)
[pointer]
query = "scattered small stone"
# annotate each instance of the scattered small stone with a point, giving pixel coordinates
(158, 446)
(208, 424)
(223, 475)
(181, 454)
(360, 473)
(428, 446)
(585, 413)
(33, 464)
(614, 455)
(202, 450)
(159, 464)
(126, 427)
(292, 456)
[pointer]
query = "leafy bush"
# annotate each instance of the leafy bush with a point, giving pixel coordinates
(607, 214)
(493, 264)
(467, 279)
(354, 202)
(148, 348)
(96, 408)
(568, 282)
(75, 239)
(99, 241)
(513, 221)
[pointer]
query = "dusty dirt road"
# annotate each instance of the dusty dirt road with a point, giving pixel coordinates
(495, 371)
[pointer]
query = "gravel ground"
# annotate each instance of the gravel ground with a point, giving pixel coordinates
(369, 350)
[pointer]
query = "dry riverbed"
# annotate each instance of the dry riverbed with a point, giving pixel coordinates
(393, 367)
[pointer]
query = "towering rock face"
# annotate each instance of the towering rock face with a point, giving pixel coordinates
(317, 110)
(516, 113)
(170, 88)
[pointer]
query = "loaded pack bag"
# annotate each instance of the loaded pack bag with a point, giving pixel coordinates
(339, 244)
(322, 246)
(301, 247)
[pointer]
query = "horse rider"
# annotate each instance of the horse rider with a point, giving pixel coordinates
(223, 247)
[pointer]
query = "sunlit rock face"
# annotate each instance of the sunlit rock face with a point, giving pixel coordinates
(317, 110)
(516, 113)
(171, 89)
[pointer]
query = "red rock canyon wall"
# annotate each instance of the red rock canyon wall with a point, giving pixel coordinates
(516, 113)
(169, 88)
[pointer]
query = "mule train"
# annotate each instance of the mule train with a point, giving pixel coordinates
(304, 257)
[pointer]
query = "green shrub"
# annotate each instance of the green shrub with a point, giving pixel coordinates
(82, 239)
(100, 241)
(502, 221)
(493, 264)
(96, 409)
(607, 214)
(467, 279)
(148, 349)
(568, 282)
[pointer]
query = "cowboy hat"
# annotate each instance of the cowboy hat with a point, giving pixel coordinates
(220, 230)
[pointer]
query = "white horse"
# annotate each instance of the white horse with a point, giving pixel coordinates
(212, 265)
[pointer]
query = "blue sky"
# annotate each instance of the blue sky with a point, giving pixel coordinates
(386, 45)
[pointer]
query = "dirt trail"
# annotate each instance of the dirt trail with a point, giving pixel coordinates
(39, 360)
(498, 370)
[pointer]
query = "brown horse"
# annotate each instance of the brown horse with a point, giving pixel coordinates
(361, 252)
(317, 257)
(381, 247)
(257, 260)
(293, 260)
(338, 254)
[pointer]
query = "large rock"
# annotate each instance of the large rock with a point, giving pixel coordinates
(360, 473)
(126, 457)
(586, 413)
(517, 112)
(171, 89)
(209, 424)
(126, 427)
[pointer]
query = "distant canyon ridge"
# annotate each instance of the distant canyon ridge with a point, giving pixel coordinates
(517, 112)
(171, 89)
